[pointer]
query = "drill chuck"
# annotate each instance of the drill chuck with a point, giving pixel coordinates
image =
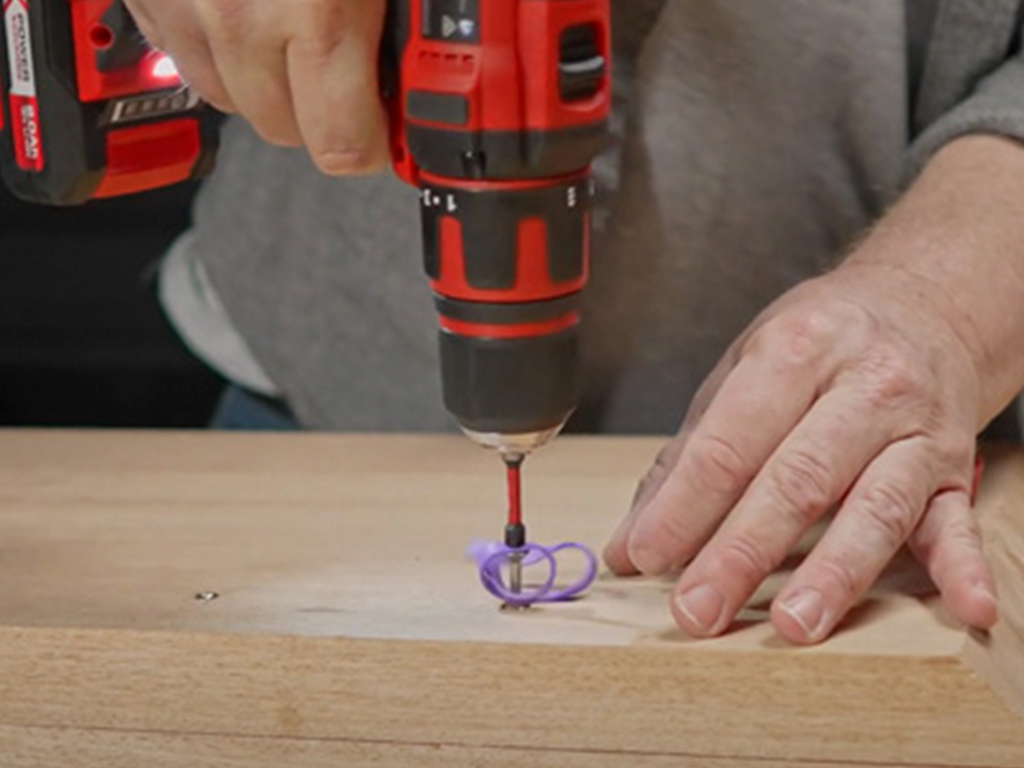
(511, 386)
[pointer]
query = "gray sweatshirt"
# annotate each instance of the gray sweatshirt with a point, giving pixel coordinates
(756, 139)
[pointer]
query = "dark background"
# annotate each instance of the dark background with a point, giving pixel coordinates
(82, 339)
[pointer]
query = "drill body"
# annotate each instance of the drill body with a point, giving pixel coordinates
(498, 108)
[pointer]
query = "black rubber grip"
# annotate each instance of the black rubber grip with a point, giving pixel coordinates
(505, 155)
(511, 386)
(437, 107)
(507, 314)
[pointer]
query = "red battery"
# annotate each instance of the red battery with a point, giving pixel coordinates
(95, 111)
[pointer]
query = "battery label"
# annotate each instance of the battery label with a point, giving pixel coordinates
(28, 149)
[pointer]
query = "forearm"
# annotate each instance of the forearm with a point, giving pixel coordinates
(960, 230)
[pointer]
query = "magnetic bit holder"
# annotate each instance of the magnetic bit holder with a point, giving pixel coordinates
(491, 556)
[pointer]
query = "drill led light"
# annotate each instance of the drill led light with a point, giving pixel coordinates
(164, 68)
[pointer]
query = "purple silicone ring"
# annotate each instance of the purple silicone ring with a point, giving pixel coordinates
(491, 556)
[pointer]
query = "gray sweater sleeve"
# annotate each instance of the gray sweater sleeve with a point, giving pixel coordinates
(995, 106)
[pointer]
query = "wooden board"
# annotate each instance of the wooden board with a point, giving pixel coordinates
(350, 630)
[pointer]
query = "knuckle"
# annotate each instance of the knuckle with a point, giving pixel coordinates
(669, 533)
(746, 558)
(892, 380)
(714, 463)
(326, 29)
(890, 509)
(964, 534)
(845, 579)
(797, 340)
(957, 531)
(677, 532)
(803, 481)
(955, 453)
(229, 19)
(329, 16)
(327, 25)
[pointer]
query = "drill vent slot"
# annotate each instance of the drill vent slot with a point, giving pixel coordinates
(581, 67)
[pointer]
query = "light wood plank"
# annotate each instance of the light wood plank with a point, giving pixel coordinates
(348, 617)
(33, 747)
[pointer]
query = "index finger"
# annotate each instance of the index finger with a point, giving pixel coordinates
(760, 402)
(333, 69)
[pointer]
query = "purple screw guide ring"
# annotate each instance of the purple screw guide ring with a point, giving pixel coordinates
(490, 556)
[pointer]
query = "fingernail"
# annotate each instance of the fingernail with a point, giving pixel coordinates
(983, 590)
(343, 161)
(703, 606)
(984, 613)
(807, 607)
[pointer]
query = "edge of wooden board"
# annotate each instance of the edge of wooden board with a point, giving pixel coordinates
(33, 747)
(643, 701)
(998, 656)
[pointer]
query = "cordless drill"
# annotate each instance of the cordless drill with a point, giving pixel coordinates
(498, 108)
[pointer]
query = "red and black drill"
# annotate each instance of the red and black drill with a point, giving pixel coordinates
(498, 108)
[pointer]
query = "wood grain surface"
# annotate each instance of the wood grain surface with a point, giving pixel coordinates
(349, 629)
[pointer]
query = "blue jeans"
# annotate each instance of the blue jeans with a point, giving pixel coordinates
(240, 410)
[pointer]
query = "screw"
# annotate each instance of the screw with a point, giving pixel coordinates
(515, 607)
